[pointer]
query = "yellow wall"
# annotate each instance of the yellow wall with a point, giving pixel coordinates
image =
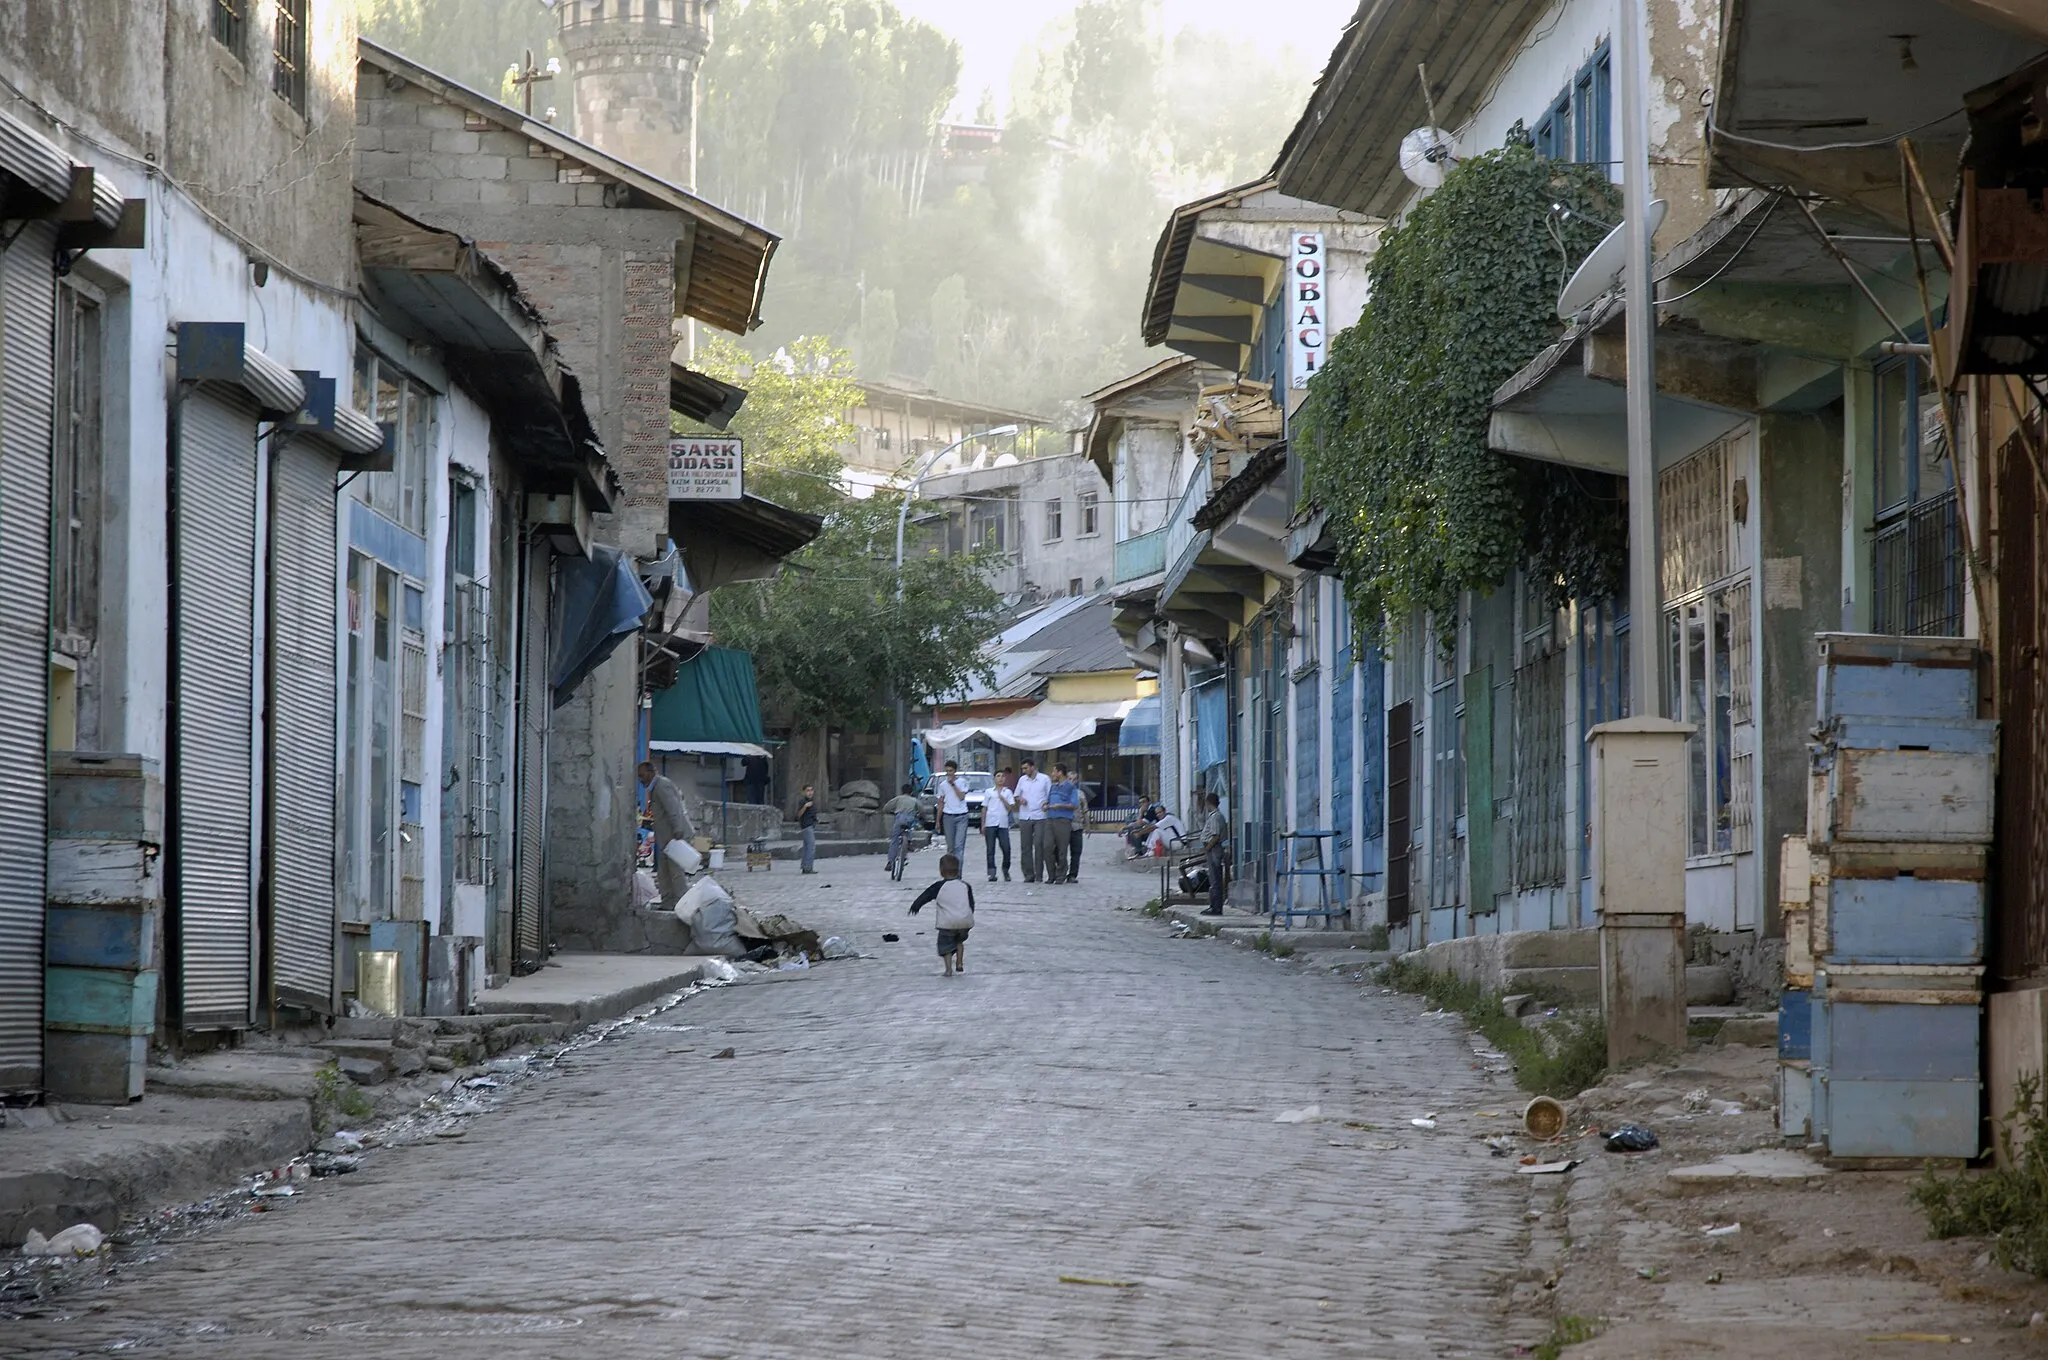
(1093, 688)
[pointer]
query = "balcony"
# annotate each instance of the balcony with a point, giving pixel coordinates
(1180, 529)
(1144, 555)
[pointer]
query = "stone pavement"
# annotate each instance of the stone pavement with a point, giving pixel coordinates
(896, 1165)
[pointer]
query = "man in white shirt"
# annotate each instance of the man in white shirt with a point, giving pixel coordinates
(953, 808)
(998, 810)
(1033, 789)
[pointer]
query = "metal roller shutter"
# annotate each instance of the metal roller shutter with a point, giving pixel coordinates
(27, 326)
(213, 698)
(528, 916)
(304, 615)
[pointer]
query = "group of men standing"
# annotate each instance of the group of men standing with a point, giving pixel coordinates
(1047, 813)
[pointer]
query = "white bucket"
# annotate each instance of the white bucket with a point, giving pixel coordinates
(718, 857)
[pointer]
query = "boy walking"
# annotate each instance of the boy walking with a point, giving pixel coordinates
(807, 822)
(953, 915)
(997, 812)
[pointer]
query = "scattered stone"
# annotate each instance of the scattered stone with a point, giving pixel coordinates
(438, 1063)
(363, 1071)
(407, 1062)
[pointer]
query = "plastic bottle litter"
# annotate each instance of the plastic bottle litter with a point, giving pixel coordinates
(1307, 1114)
(80, 1239)
(1725, 1230)
(1427, 1121)
(1631, 1138)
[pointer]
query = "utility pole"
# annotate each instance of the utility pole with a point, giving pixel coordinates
(1640, 775)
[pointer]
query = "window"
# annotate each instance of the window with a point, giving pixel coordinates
(986, 524)
(230, 23)
(1053, 528)
(288, 51)
(1074, 585)
(1916, 563)
(1575, 126)
(75, 471)
(1308, 621)
(387, 396)
(1091, 514)
(1702, 504)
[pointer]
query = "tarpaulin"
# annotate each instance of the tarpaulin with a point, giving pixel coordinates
(1212, 725)
(1139, 736)
(1046, 727)
(712, 700)
(599, 602)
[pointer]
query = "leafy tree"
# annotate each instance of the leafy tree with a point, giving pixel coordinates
(794, 420)
(472, 40)
(833, 637)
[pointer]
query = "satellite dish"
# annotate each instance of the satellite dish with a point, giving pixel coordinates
(1600, 272)
(1427, 155)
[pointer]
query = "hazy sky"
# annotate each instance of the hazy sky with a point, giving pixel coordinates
(992, 31)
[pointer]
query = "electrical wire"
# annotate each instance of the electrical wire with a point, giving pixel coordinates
(1716, 130)
(1725, 264)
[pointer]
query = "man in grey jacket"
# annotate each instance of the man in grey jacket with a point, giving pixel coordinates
(1215, 840)
(671, 823)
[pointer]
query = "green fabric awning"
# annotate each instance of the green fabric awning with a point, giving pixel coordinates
(713, 699)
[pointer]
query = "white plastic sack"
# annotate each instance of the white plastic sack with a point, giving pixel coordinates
(645, 893)
(707, 910)
(80, 1239)
(685, 855)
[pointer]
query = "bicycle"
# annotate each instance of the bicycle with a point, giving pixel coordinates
(899, 848)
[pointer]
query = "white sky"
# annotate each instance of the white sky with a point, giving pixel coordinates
(991, 32)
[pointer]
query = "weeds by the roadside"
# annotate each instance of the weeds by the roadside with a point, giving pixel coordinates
(2006, 1203)
(1569, 1330)
(1571, 1056)
(1265, 944)
(1153, 908)
(1376, 938)
(334, 1094)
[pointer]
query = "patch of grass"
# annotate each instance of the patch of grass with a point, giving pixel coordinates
(2007, 1203)
(334, 1094)
(1376, 938)
(1153, 908)
(1266, 944)
(1569, 1330)
(1559, 1060)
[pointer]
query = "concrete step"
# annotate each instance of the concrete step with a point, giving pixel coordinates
(1570, 984)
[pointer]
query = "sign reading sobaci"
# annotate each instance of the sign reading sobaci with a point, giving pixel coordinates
(1308, 304)
(705, 469)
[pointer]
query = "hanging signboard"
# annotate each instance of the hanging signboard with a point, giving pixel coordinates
(708, 468)
(1308, 305)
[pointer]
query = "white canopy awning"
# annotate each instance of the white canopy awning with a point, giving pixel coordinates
(707, 748)
(1046, 727)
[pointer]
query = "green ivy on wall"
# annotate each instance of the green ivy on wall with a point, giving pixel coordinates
(1393, 435)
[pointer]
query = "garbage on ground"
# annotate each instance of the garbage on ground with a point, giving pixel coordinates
(645, 893)
(890, 937)
(1307, 1114)
(707, 909)
(325, 1164)
(1547, 1168)
(80, 1239)
(1631, 1138)
(1725, 1230)
(837, 948)
(718, 970)
(274, 1190)
(724, 1053)
(1543, 1117)
(1714, 1278)
(1427, 1121)
(795, 963)
(1649, 1272)
(1501, 1145)
(481, 1084)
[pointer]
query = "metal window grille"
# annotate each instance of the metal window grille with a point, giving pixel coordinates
(480, 795)
(288, 52)
(75, 468)
(1694, 525)
(1539, 785)
(1741, 720)
(1916, 571)
(230, 23)
(412, 857)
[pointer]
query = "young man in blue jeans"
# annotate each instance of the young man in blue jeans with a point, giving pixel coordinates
(1060, 805)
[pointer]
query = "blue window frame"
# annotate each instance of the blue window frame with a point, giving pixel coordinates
(1576, 125)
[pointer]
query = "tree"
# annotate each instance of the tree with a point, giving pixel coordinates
(794, 419)
(470, 40)
(833, 639)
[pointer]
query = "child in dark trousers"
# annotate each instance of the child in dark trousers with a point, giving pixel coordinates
(953, 915)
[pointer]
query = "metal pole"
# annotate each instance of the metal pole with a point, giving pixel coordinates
(1646, 614)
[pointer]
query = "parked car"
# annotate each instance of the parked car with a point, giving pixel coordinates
(975, 786)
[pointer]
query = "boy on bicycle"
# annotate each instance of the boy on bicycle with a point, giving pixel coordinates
(903, 809)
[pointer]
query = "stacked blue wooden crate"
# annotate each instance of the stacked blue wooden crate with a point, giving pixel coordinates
(1899, 823)
(103, 925)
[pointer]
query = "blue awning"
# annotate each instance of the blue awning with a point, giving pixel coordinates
(1139, 735)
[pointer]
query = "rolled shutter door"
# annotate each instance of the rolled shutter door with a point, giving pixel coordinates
(213, 692)
(27, 329)
(528, 942)
(304, 615)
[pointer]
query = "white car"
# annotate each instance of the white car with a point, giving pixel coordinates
(975, 786)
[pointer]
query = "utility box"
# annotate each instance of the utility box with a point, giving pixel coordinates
(1639, 842)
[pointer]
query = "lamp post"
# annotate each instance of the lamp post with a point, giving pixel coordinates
(902, 518)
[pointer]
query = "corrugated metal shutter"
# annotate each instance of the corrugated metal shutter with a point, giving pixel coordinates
(528, 917)
(304, 614)
(212, 692)
(27, 329)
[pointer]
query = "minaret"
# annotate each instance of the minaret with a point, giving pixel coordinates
(633, 67)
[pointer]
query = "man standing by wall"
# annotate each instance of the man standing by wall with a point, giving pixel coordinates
(671, 823)
(807, 821)
(953, 809)
(1033, 789)
(998, 810)
(1215, 834)
(1059, 824)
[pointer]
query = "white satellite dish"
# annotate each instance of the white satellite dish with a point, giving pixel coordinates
(1427, 155)
(1600, 272)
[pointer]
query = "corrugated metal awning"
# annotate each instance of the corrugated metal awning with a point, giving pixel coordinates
(41, 164)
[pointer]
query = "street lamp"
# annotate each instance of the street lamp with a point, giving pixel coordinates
(902, 516)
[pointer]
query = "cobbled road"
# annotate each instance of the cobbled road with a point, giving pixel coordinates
(894, 1164)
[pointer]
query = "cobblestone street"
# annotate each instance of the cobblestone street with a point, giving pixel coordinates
(894, 1164)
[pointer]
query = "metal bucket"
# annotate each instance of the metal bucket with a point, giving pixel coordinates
(377, 980)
